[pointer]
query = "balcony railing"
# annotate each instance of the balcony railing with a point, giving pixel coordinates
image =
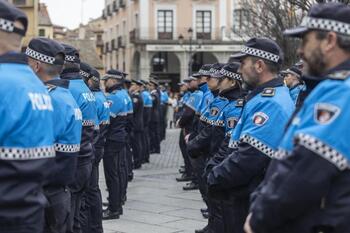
(121, 42)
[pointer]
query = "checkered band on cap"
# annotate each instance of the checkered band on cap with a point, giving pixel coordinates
(260, 53)
(204, 72)
(258, 145)
(113, 76)
(67, 148)
(95, 78)
(7, 25)
(15, 153)
(214, 71)
(326, 24)
(39, 56)
(69, 58)
(230, 74)
(84, 74)
(323, 150)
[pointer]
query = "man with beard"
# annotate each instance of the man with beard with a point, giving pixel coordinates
(308, 189)
(256, 135)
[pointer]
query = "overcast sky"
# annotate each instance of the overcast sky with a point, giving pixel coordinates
(68, 12)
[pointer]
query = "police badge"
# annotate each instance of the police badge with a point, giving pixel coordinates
(214, 111)
(326, 113)
(260, 118)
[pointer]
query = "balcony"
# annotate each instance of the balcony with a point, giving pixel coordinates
(109, 10)
(121, 42)
(115, 6)
(99, 43)
(122, 3)
(151, 35)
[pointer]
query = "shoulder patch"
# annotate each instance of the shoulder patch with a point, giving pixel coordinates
(239, 102)
(326, 113)
(232, 122)
(50, 87)
(268, 92)
(214, 111)
(260, 118)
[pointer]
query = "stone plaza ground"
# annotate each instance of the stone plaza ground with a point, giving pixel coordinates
(156, 202)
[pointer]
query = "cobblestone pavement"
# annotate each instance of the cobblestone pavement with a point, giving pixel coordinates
(156, 202)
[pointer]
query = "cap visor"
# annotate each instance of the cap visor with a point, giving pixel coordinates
(295, 32)
(216, 76)
(196, 75)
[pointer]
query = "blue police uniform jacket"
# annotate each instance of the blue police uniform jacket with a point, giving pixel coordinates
(256, 138)
(194, 101)
(119, 110)
(102, 107)
(26, 141)
(67, 131)
(164, 97)
(184, 98)
(208, 97)
(147, 99)
(86, 102)
(214, 110)
(295, 91)
(314, 157)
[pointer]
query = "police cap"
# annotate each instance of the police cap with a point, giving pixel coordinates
(326, 17)
(116, 74)
(215, 69)
(204, 71)
(264, 48)
(137, 82)
(8, 15)
(230, 71)
(72, 54)
(46, 50)
(294, 70)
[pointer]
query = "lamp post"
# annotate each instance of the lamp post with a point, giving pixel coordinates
(193, 46)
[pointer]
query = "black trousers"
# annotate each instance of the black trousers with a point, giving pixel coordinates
(58, 209)
(145, 145)
(235, 212)
(91, 211)
(136, 144)
(198, 165)
(112, 169)
(34, 225)
(129, 156)
(78, 189)
(124, 171)
(182, 144)
(154, 133)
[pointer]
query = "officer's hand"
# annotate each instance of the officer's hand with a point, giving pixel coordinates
(187, 138)
(247, 227)
(177, 123)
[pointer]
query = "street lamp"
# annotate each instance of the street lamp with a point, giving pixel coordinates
(193, 46)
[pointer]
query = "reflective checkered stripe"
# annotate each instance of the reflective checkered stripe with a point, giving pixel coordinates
(317, 146)
(214, 71)
(233, 144)
(6, 25)
(84, 74)
(69, 58)
(326, 24)
(88, 123)
(230, 74)
(16, 153)
(39, 56)
(204, 72)
(281, 154)
(260, 53)
(258, 145)
(106, 122)
(67, 148)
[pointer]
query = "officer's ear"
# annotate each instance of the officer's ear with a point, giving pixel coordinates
(330, 42)
(259, 66)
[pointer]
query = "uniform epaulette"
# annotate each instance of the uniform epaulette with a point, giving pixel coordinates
(340, 75)
(268, 92)
(239, 102)
(50, 87)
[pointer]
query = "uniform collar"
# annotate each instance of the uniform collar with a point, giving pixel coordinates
(14, 57)
(276, 82)
(345, 66)
(71, 73)
(203, 87)
(232, 93)
(215, 92)
(64, 83)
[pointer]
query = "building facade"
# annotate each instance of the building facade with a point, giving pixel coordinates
(170, 38)
(30, 7)
(45, 26)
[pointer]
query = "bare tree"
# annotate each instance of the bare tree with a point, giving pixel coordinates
(269, 18)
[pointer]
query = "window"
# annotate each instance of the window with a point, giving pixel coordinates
(42, 32)
(241, 18)
(203, 25)
(19, 2)
(159, 62)
(165, 24)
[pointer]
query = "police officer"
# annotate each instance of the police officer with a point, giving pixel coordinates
(164, 102)
(314, 153)
(46, 58)
(136, 138)
(92, 209)
(86, 102)
(155, 118)
(256, 135)
(26, 131)
(147, 114)
(293, 80)
(115, 143)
